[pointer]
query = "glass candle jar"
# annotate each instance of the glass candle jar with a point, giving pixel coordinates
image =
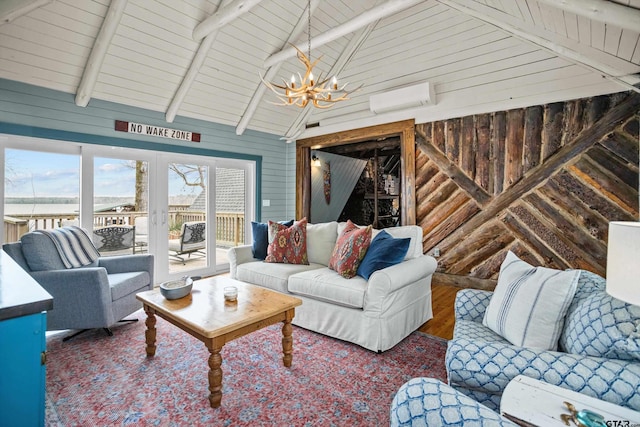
(230, 293)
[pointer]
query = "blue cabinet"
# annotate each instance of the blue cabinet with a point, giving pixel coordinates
(22, 370)
(23, 323)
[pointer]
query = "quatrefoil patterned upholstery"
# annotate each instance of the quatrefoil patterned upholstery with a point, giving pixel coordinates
(429, 402)
(598, 353)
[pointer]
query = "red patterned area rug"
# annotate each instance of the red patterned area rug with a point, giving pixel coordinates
(97, 380)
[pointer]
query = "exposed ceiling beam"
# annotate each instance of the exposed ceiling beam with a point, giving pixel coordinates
(8, 12)
(607, 12)
(192, 72)
(609, 66)
(296, 129)
(99, 51)
(371, 15)
(271, 72)
(222, 17)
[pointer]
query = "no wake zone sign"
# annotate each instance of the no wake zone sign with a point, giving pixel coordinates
(150, 130)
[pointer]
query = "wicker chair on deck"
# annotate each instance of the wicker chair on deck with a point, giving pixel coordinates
(192, 241)
(115, 240)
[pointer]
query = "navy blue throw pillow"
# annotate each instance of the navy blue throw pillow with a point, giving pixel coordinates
(260, 231)
(383, 252)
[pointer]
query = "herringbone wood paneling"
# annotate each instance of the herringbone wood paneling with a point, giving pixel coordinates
(542, 181)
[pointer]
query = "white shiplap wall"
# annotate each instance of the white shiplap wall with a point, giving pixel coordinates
(474, 67)
(345, 172)
(464, 47)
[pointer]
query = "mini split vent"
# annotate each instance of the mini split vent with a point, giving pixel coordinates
(406, 97)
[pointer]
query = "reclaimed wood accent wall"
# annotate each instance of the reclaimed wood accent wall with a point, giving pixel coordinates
(542, 181)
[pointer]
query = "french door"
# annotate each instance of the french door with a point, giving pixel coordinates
(187, 210)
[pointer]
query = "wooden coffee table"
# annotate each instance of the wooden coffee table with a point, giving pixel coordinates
(205, 315)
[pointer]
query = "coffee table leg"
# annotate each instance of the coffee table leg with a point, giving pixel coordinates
(215, 375)
(287, 343)
(150, 332)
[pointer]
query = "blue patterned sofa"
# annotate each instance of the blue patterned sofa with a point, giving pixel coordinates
(599, 349)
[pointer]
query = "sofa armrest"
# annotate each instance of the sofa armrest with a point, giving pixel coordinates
(78, 294)
(239, 255)
(470, 304)
(388, 280)
(489, 366)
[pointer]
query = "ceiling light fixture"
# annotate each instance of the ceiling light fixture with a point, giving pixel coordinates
(320, 93)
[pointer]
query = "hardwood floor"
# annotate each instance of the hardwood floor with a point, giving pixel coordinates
(442, 297)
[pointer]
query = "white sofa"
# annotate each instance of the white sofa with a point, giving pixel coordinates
(376, 314)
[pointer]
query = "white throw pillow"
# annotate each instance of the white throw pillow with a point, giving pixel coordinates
(529, 303)
(321, 238)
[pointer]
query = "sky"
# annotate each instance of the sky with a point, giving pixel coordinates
(38, 174)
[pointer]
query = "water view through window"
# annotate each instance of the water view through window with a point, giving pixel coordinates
(45, 190)
(41, 190)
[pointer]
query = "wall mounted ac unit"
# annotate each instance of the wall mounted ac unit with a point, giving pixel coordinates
(406, 97)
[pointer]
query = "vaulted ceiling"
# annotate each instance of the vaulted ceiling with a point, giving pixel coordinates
(203, 58)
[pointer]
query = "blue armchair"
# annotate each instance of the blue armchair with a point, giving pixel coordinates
(94, 296)
(599, 349)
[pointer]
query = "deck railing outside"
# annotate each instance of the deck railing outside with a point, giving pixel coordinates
(229, 225)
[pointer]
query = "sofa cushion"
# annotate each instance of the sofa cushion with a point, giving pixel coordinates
(350, 249)
(123, 284)
(261, 238)
(321, 239)
(326, 285)
(529, 303)
(40, 252)
(603, 326)
(270, 275)
(383, 252)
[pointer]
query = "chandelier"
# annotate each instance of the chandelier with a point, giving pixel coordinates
(306, 89)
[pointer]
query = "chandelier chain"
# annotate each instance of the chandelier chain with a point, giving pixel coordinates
(309, 28)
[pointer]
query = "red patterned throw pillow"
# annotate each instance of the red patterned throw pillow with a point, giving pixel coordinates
(289, 244)
(350, 249)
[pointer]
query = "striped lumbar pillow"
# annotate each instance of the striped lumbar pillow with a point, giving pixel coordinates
(529, 303)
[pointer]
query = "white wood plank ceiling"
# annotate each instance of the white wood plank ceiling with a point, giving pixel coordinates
(480, 56)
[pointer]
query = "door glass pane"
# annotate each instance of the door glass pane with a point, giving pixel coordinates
(230, 211)
(120, 204)
(187, 218)
(42, 191)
